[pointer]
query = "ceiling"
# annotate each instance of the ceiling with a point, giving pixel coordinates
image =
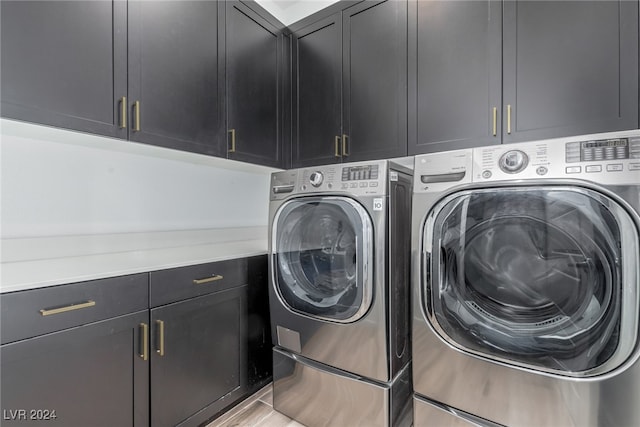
(290, 11)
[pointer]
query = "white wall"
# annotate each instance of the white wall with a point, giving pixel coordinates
(56, 182)
(290, 11)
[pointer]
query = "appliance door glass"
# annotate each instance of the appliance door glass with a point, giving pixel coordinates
(323, 257)
(529, 274)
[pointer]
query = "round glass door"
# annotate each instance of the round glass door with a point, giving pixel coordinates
(531, 275)
(322, 257)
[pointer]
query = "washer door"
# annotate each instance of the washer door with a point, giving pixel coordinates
(323, 257)
(534, 276)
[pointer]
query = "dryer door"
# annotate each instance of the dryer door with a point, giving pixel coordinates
(323, 257)
(543, 277)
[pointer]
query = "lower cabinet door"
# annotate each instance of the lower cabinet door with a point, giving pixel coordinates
(92, 375)
(199, 357)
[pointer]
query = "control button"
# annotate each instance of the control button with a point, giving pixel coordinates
(373, 184)
(598, 153)
(329, 185)
(573, 169)
(304, 187)
(616, 167)
(486, 174)
(593, 168)
(316, 179)
(542, 170)
(353, 185)
(344, 186)
(513, 161)
(363, 184)
(634, 166)
(610, 153)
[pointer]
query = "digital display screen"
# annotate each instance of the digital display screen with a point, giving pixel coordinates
(359, 169)
(621, 142)
(356, 173)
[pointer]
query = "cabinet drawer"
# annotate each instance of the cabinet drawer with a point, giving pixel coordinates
(26, 314)
(176, 284)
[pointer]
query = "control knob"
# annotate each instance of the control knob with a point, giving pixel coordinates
(316, 178)
(513, 161)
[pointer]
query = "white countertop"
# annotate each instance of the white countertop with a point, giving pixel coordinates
(40, 262)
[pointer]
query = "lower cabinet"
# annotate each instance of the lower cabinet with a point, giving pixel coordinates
(210, 339)
(89, 374)
(94, 354)
(199, 357)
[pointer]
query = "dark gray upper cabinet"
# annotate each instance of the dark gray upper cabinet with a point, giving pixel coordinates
(494, 72)
(317, 93)
(374, 121)
(253, 58)
(64, 64)
(350, 85)
(569, 68)
(173, 75)
(455, 74)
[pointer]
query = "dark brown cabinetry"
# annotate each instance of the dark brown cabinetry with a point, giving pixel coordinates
(253, 59)
(173, 75)
(76, 355)
(196, 362)
(490, 72)
(93, 354)
(350, 85)
(203, 348)
(150, 72)
(64, 64)
(146, 71)
(570, 68)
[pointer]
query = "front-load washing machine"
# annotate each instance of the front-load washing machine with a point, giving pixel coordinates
(339, 293)
(525, 263)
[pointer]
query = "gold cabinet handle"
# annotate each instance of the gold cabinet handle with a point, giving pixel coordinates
(71, 307)
(213, 278)
(144, 338)
(232, 132)
(160, 349)
(495, 121)
(123, 112)
(345, 142)
(136, 124)
(337, 146)
(509, 119)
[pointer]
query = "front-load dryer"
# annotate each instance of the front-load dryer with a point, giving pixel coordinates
(339, 293)
(526, 283)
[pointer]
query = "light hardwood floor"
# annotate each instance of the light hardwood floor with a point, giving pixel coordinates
(255, 411)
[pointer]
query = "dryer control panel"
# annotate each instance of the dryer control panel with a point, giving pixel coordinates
(610, 159)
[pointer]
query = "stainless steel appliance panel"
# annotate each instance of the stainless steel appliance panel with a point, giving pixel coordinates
(372, 341)
(317, 395)
(498, 386)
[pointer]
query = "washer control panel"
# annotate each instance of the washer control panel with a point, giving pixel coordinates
(363, 178)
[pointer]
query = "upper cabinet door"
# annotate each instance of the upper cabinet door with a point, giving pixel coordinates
(317, 93)
(455, 84)
(570, 67)
(252, 63)
(374, 81)
(173, 74)
(64, 64)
